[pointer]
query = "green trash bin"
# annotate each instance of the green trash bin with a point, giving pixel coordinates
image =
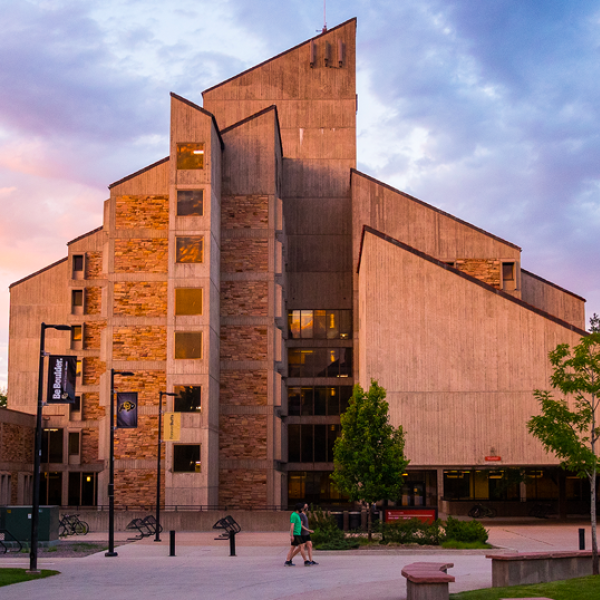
(17, 520)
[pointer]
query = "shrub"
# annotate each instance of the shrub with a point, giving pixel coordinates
(465, 531)
(412, 531)
(327, 535)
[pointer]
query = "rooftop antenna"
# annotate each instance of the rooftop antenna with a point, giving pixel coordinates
(324, 17)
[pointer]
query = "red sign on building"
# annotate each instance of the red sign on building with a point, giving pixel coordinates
(425, 515)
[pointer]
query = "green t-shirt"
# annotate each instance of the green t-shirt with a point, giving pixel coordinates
(295, 519)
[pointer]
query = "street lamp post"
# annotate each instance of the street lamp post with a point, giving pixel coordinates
(37, 453)
(157, 537)
(111, 466)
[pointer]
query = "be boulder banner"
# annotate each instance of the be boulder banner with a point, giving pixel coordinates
(127, 405)
(62, 373)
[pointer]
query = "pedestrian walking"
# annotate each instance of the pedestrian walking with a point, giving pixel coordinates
(296, 537)
(306, 536)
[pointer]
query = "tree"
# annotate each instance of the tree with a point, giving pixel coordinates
(369, 453)
(570, 429)
(3, 397)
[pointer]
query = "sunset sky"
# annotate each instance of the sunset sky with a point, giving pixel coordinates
(487, 109)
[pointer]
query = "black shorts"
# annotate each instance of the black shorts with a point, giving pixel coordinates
(297, 541)
(305, 538)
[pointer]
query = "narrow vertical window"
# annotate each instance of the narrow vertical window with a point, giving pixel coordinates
(77, 302)
(78, 264)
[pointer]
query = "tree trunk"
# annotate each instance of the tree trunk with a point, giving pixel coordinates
(593, 519)
(369, 523)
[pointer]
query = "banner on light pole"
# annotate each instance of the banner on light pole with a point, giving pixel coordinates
(62, 374)
(172, 428)
(127, 410)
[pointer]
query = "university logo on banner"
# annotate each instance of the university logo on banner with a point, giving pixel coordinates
(62, 373)
(172, 427)
(127, 405)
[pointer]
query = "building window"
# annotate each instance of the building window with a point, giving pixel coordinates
(83, 489)
(186, 458)
(190, 249)
(52, 445)
(74, 438)
(51, 488)
(75, 407)
(190, 156)
(76, 337)
(188, 398)
(76, 302)
(188, 301)
(319, 401)
(320, 324)
(5, 489)
(78, 369)
(309, 443)
(190, 203)
(78, 265)
(509, 282)
(320, 362)
(314, 487)
(188, 344)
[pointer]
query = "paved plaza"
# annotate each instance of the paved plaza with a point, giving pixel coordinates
(202, 568)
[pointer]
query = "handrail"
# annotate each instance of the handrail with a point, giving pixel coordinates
(3, 533)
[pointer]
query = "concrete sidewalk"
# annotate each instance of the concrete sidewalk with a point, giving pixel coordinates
(202, 568)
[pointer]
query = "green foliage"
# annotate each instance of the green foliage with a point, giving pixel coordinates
(327, 535)
(582, 588)
(412, 531)
(465, 531)
(369, 453)
(3, 397)
(454, 545)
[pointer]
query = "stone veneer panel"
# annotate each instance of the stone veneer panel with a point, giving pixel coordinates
(139, 443)
(243, 436)
(16, 442)
(142, 212)
(90, 404)
(140, 298)
(92, 334)
(93, 300)
(243, 343)
(141, 256)
(244, 298)
(148, 385)
(245, 212)
(92, 369)
(485, 270)
(244, 388)
(241, 255)
(135, 487)
(89, 445)
(140, 343)
(246, 488)
(93, 266)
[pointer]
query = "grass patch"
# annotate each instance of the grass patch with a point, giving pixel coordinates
(86, 547)
(10, 576)
(454, 545)
(583, 588)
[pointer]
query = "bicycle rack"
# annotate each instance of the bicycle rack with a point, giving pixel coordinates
(3, 534)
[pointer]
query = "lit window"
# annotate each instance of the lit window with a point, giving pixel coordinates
(186, 458)
(190, 249)
(188, 344)
(76, 337)
(190, 156)
(188, 301)
(188, 398)
(190, 202)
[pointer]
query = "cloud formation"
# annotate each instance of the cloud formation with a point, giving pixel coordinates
(488, 110)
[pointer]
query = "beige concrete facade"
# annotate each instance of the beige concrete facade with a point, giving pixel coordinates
(298, 301)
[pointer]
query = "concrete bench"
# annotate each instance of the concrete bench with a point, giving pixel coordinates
(427, 581)
(539, 567)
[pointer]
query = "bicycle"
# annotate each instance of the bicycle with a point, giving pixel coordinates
(480, 511)
(541, 510)
(71, 525)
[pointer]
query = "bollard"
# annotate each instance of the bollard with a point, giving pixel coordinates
(232, 543)
(171, 543)
(582, 539)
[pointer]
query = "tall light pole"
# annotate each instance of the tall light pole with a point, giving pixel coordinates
(37, 453)
(111, 466)
(157, 536)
